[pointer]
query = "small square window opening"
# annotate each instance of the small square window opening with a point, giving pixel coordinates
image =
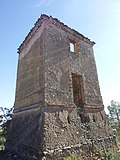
(73, 46)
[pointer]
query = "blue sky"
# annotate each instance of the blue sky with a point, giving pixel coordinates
(97, 19)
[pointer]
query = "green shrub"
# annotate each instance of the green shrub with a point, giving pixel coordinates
(2, 142)
(107, 153)
(72, 157)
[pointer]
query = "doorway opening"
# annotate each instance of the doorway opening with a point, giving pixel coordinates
(78, 89)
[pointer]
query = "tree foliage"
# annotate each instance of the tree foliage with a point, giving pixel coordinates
(72, 157)
(5, 114)
(114, 113)
(5, 118)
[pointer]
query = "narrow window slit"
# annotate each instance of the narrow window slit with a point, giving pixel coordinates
(68, 119)
(94, 118)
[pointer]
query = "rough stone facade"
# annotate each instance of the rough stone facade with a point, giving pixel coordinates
(58, 104)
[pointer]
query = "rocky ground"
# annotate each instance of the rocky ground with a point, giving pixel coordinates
(5, 155)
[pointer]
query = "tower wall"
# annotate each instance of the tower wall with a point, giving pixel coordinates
(30, 76)
(57, 88)
(60, 63)
(51, 119)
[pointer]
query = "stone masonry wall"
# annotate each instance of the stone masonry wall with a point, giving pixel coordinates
(60, 63)
(30, 84)
(56, 67)
(63, 127)
(47, 121)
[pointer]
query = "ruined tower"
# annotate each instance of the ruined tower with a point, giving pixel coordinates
(58, 105)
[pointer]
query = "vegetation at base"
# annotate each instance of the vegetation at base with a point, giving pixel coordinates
(114, 114)
(72, 157)
(2, 142)
(5, 118)
(106, 153)
(114, 122)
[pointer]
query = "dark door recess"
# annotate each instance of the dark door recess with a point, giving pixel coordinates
(78, 90)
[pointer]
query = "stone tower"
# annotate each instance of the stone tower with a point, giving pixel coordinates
(58, 106)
